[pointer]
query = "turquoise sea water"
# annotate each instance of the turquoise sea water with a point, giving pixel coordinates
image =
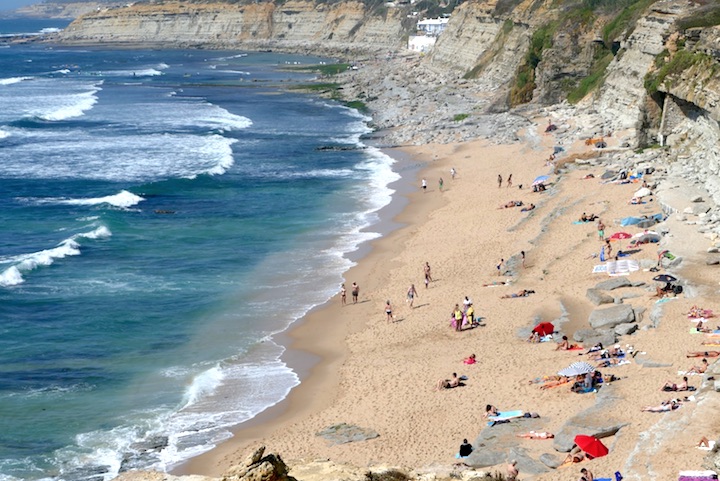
(163, 214)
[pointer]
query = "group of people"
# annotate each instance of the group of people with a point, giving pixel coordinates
(355, 292)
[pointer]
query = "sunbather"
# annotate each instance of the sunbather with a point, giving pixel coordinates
(703, 354)
(470, 359)
(522, 293)
(528, 208)
(574, 456)
(565, 345)
(671, 386)
(663, 407)
(448, 383)
(490, 410)
(559, 382)
(699, 369)
(511, 204)
(536, 435)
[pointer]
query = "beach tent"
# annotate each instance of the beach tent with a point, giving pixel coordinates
(577, 368)
(637, 220)
(642, 192)
(544, 328)
(645, 223)
(591, 445)
(648, 237)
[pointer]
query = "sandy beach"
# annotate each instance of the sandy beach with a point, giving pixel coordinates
(382, 375)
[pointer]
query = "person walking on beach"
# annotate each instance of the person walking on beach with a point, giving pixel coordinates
(428, 277)
(500, 266)
(509, 181)
(411, 294)
(499, 181)
(343, 295)
(601, 230)
(522, 255)
(453, 173)
(440, 183)
(355, 292)
(424, 185)
(388, 310)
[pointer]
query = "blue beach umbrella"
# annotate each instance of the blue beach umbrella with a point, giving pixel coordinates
(540, 179)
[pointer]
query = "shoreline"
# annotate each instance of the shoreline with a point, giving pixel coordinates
(317, 359)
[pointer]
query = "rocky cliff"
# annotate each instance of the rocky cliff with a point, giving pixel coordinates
(258, 25)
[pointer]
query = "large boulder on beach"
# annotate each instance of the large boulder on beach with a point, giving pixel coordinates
(346, 433)
(259, 466)
(612, 284)
(598, 297)
(551, 460)
(626, 329)
(610, 317)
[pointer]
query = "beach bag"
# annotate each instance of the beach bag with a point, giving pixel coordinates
(677, 289)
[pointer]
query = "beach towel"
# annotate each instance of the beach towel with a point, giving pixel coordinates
(600, 268)
(707, 448)
(697, 475)
(505, 416)
(622, 267)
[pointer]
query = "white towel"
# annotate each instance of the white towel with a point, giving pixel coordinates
(707, 448)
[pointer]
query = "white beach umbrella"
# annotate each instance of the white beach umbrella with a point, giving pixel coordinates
(577, 368)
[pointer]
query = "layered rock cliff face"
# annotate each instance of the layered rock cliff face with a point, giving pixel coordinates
(492, 44)
(292, 24)
(67, 10)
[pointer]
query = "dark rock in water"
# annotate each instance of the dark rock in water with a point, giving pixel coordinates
(340, 147)
(610, 317)
(550, 460)
(612, 284)
(143, 454)
(346, 433)
(86, 473)
(155, 443)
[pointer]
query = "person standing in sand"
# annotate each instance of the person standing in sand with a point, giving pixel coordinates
(499, 181)
(512, 472)
(453, 173)
(355, 292)
(601, 230)
(411, 295)
(440, 183)
(388, 310)
(500, 266)
(457, 318)
(509, 181)
(428, 276)
(343, 295)
(522, 255)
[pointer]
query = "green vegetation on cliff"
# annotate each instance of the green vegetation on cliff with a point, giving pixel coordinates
(668, 67)
(522, 91)
(707, 16)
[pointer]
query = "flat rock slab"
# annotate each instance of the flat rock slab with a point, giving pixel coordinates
(598, 297)
(610, 317)
(346, 433)
(625, 329)
(612, 284)
(594, 421)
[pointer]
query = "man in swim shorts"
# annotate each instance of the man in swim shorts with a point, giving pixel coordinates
(355, 291)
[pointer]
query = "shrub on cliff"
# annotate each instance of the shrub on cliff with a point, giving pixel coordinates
(707, 16)
(681, 61)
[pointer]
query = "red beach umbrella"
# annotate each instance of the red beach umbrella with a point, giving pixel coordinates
(544, 328)
(620, 235)
(591, 445)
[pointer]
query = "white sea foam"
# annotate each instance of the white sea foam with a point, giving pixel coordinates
(26, 263)
(13, 80)
(74, 106)
(203, 385)
(121, 199)
(4, 134)
(63, 71)
(47, 30)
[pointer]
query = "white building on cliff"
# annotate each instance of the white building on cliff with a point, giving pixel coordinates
(430, 29)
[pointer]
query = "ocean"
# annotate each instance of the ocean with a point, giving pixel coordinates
(164, 213)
